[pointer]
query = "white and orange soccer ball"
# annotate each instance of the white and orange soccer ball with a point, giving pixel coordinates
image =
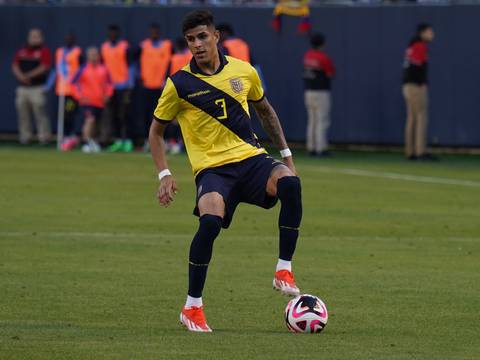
(306, 314)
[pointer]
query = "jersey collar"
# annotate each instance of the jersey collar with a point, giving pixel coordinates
(196, 70)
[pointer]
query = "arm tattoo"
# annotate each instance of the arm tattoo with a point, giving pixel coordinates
(270, 123)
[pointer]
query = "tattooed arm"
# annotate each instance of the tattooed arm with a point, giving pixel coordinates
(271, 124)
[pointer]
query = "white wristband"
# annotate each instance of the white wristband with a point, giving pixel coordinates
(285, 153)
(163, 173)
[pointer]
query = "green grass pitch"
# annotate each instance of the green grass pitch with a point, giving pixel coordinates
(92, 268)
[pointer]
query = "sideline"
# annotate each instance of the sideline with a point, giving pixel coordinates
(396, 176)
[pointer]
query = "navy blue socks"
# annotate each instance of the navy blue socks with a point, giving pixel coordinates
(201, 253)
(290, 195)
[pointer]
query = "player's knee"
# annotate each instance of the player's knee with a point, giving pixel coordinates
(289, 189)
(210, 224)
(211, 203)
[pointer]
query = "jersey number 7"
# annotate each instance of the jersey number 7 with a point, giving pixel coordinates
(222, 103)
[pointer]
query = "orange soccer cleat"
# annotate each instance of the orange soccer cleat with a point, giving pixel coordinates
(285, 283)
(193, 319)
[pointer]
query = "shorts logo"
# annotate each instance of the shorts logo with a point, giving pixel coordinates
(199, 191)
(237, 85)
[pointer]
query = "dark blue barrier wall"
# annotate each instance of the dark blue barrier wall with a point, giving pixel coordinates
(366, 43)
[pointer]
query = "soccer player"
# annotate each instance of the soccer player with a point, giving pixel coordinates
(210, 99)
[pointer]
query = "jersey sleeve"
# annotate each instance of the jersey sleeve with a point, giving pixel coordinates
(46, 57)
(256, 92)
(169, 103)
(16, 58)
(328, 66)
(418, 54)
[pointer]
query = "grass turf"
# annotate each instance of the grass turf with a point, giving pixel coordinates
(92, 268)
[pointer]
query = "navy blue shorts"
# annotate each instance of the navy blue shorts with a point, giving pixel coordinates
(244, 181)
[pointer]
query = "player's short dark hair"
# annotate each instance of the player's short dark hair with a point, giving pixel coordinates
(226, 28)
(114, 27)
(317, 40)
(180, 43)
(422, 27)
(70, 34)
(197, 18)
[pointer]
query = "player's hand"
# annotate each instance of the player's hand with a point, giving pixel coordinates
(24, 79)
(167, 190)
(288, 161)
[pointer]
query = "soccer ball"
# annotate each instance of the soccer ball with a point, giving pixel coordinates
(306, 314)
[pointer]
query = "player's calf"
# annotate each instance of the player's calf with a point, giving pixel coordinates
(192, 315)
(290, 195)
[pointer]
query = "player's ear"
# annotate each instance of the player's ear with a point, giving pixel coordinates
(216, 36)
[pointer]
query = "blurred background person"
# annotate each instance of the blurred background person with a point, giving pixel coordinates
(118, 58)
(31, 66)
(155, 57)
(93, 88)
(231, 44)
(68, 59)
(415, 92)
(173, 134)
(238, 48)
(181, 56)
(318, 72)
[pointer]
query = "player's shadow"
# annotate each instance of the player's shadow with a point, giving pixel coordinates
(230, 331)
(242, 331)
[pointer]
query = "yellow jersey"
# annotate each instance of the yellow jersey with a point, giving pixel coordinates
(213, 112)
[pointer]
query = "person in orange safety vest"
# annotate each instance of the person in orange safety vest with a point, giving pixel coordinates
(232, 45)
(68, 59)
(155, 57)
(236, 47)
(118, 59)
(180, 58)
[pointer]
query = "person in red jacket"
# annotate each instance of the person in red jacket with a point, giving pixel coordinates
(317, 75)
(415, 92)
(31, 66)
(93, 88)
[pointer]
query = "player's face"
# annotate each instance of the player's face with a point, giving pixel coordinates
(154, 33)
(428, 35)
(93, 55)
(35, 37)
(69, 40)
(202, 42)
(113, 35)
